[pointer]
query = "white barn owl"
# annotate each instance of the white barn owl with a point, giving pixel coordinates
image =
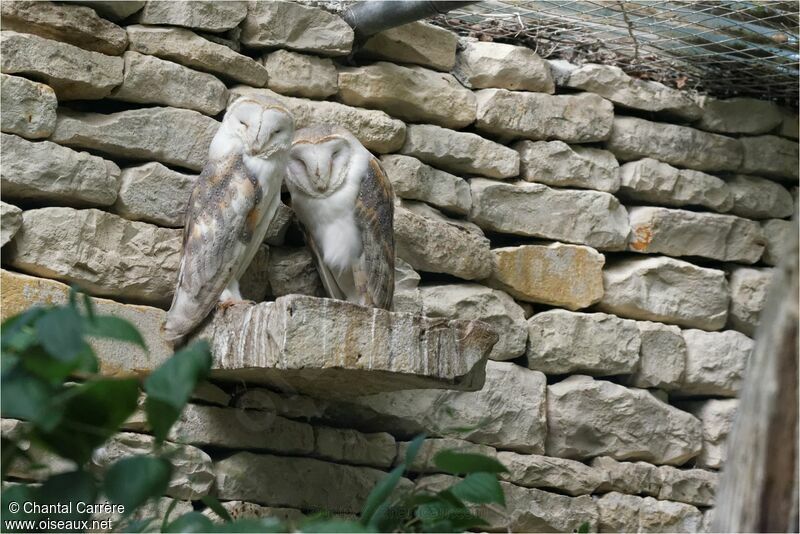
(230, 208)
(345, 204)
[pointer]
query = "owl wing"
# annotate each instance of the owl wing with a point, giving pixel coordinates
(374, 214)
(221, 217)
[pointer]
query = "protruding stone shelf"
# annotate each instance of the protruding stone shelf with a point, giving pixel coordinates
(322, 347)
(330, 348)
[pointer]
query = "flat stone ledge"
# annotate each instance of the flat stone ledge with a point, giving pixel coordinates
(326, 347)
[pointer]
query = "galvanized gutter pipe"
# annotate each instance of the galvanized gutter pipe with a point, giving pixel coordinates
(372, 16)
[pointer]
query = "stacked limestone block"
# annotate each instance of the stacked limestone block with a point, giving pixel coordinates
(618, 235)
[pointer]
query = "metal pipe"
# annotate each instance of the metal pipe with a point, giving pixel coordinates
(372, 16)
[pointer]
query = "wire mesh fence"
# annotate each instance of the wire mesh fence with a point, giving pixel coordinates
(723, 48)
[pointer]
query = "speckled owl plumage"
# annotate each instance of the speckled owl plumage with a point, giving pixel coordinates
(230, 208)
(345, 204)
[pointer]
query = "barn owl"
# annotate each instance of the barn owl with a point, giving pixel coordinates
(230, 208)
(345, 204)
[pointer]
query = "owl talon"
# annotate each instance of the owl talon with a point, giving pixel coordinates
(227, 304)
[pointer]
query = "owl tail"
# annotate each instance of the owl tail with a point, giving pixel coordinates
(182, 318)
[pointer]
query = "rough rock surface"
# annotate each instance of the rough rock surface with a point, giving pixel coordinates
(301, 75)
(749, 289)
(423, 462)
(628, 477)
(648, 180)
(628, 513)
(759, 198)
(508, 413)
(460, 152)
(20, 292)
(155, 194)
(556, 163)
(292, 270)
(587, 418)
(790, 126)
(46, 172)
(304, 483)
(201, 15)
(481, 65)
(769, 155)
(76, 25)
(439, 245)
(563, 342)
(582, 118)
(411, 93)
(777, 236)
(527, 509)
(172, 136)
(347, 446)
(115, 10)
(633, 138)
(715, 362)
(249, 510)
(666, 290)
(29, 108)
(739, 115)
(187, 48)
(150, 80)
(586, 217)
(416, 42)
(279, 225)
(692, 486)
(612, 83)
(72, 72)
(414, 180)
(375, 129)
(474, 301)
(534, 471)
(232, 428)
(561, 275)
(312, 344)
(297, 27)
(101, 252)
(662, 357)
(10, 222)
(192, 474)
(688, 233)
(716, 416)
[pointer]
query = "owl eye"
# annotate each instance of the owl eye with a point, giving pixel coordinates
(279, 131)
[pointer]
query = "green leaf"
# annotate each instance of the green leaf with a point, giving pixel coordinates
(72, 487)
(479, 488)
(108, 326)
(463, 463)
(89, 305)
(139, 525)
(170, 386)
(334, 525)
(218, 509)
(23, 396)
(40, 363)
(191, 522)
(18, 493)
(17, 333)
(165, 520)
(583, 528)
(133, 481)
(413, 449)
(60, 331)
(380, 493)
(92, 413)
(267, 524)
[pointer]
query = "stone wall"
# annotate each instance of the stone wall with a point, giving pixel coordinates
(618, 235)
